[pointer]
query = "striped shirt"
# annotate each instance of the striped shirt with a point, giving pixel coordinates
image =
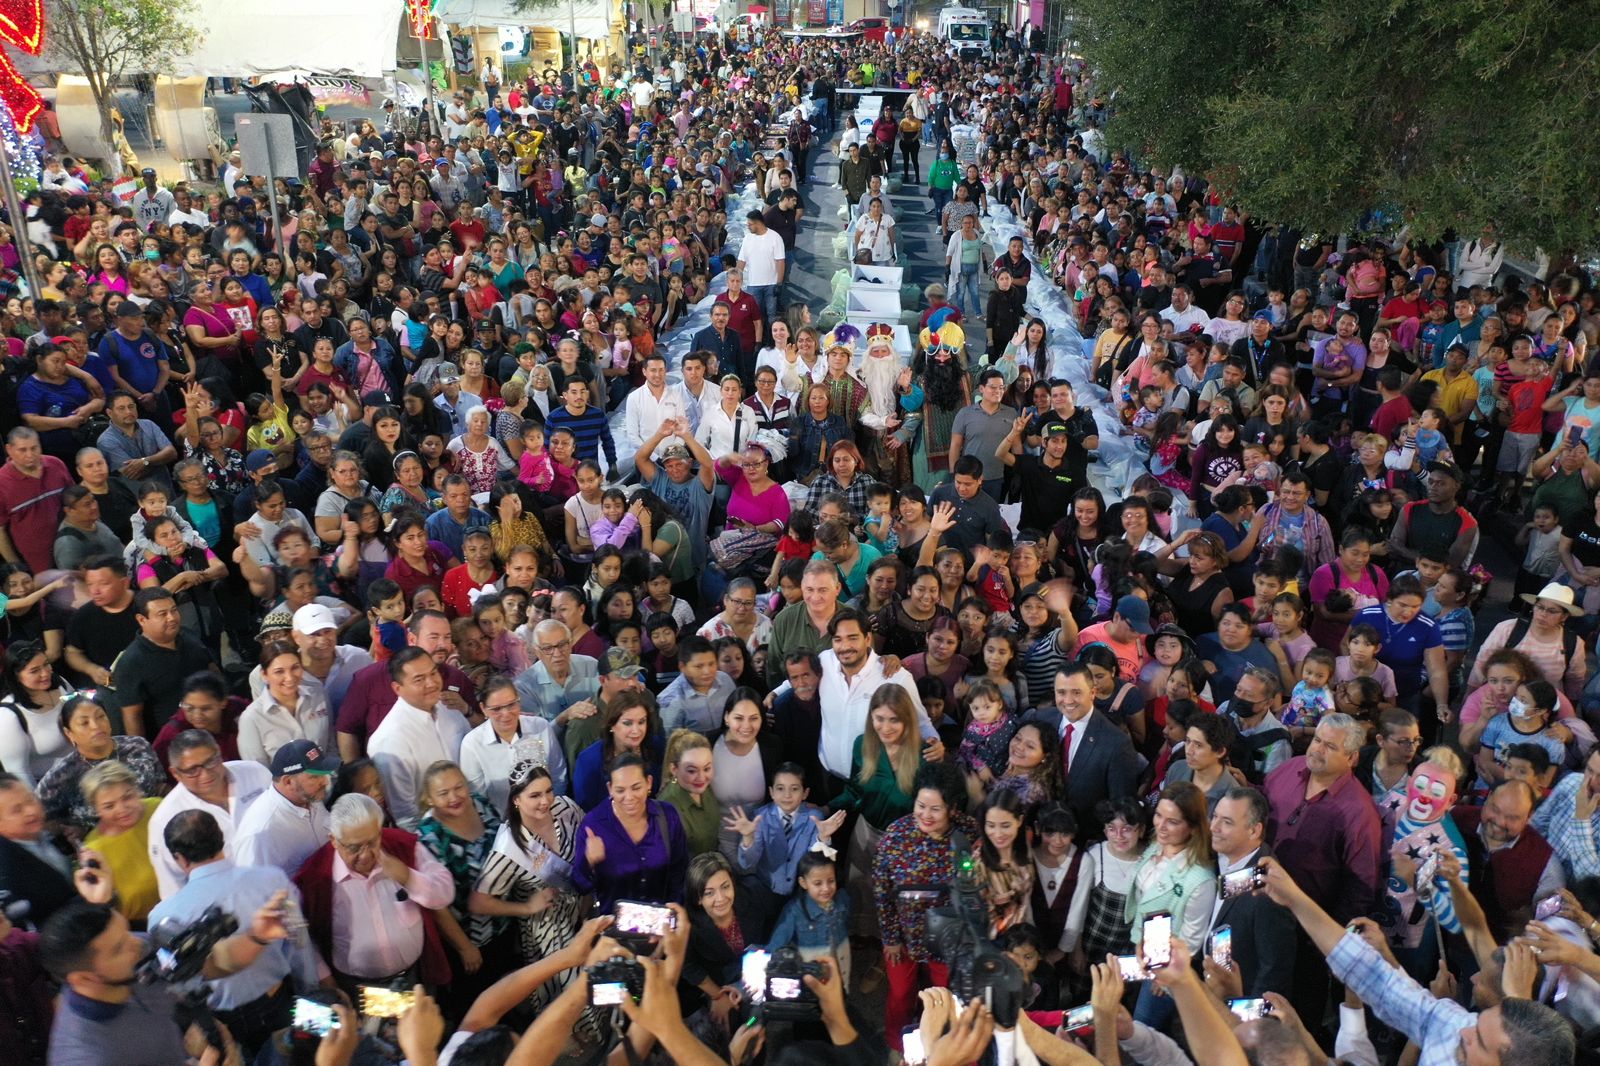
(589, 429)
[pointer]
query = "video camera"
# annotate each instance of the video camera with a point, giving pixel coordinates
(959, 932)
(178, 956)
(614, 979)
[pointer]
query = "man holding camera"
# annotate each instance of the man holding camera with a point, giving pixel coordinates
(259, 998)
(106, 1014)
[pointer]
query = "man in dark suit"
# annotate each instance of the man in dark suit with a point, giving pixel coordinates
(722, 340)
(1263, 932)
(36, 865)
(1098, 759)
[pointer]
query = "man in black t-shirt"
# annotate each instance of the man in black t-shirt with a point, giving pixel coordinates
(1046, 479)
(103, 627)
(1083, 436)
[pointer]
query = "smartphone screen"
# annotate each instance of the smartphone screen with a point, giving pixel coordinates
(607, 993)
(384, 1002)
(1222, 946)
(1249, 1010)
(313, 1017)
(1240, 881)
(1548, 908)
(753, 974)
(1157, 940)
(644, 919)
(1131, 968)
(1079, 1018)
(911, 1047)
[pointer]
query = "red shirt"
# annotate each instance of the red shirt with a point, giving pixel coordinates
(1527, 404)
(1225, 240)
(469, 232)
(1391, 416)
(743, 314)
(30, 509)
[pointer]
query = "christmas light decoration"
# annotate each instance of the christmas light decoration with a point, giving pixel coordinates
(19, 153)
(22, 26)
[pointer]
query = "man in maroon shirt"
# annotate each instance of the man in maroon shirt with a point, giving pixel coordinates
(1394, 410)
(371, 696)
(30, 501)
(744, 314)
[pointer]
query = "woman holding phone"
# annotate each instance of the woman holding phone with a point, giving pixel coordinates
(1176, 878)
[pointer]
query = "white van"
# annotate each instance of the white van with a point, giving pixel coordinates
(965, 32)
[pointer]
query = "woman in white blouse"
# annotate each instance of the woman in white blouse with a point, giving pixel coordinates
(506, 738)
(726, 428)
(291, 707)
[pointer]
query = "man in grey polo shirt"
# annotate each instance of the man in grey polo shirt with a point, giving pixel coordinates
(979, 429)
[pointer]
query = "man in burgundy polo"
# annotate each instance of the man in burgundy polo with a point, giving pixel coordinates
(1513, 866)
(371, 696)
(744, 314)
(31, 483)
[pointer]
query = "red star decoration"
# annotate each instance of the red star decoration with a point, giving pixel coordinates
(21, 25)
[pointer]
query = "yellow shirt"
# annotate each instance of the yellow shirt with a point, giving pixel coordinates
(1452, 398)
(127, 856)
(273, 432)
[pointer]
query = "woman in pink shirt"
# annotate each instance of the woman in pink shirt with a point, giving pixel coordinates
(757, 502)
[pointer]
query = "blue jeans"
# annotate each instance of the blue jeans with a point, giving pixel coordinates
(940, 197)
(965, 298)
(766, 297)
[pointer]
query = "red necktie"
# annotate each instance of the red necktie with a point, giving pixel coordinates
(1066, 749)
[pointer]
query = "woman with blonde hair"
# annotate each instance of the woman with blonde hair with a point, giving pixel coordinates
(121, 834)
(882, 786)
(1176, 876)
(689, 770)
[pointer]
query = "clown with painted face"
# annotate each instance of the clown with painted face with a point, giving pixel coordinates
(1422, 828)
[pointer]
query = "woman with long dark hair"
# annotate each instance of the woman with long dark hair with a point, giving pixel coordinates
(946, 389)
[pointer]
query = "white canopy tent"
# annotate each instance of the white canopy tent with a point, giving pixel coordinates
(250, 38)
(591, 18)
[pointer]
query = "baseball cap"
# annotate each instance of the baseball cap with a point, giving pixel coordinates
(620, 661)
(313, 618)
(448, 372)
(375, 398)
(245, 201)
(674, 451)
(303, 757)
(1441, 466)
(148, 172)
(258, 461)
(1056, 429)
(129, 309)
(1136, 612)
(1261, 316)
(486, 323)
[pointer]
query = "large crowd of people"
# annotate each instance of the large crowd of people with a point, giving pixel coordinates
(512, 547)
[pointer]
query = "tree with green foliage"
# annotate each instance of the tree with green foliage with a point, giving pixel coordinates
(107, 39)
(1440, 113)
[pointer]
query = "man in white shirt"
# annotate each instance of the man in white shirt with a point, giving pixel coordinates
(205, 782)
(184, 210)
(654, 405)
(152, 203)
(1182, 313)
(851, 673)
(288, 822)
(418, 732)
(761, 259)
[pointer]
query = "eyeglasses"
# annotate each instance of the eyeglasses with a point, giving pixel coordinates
(550, 648)
(514, 705)
(1549, 609)
(192, 772)
(1405, 742)
(742, 603)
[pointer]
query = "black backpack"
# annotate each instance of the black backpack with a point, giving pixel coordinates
(1569, 643)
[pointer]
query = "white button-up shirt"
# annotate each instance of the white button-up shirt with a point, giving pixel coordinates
(644, 413)
(488, 761)
(347, 662)
(376, 934)
(406, 743)
(275, 832)
(844, 708)
(246, 782)
(267, 725)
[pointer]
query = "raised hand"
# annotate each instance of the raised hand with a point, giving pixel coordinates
(739, 823)
(594, 849)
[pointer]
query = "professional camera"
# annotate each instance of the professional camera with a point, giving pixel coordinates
(788, 998)
(180, 951)
(613, 979)
(178, 956)
(959, 932)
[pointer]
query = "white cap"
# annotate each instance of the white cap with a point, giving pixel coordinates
(313, 618)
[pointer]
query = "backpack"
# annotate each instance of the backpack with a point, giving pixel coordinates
(1569, 643)
(1248, 751)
